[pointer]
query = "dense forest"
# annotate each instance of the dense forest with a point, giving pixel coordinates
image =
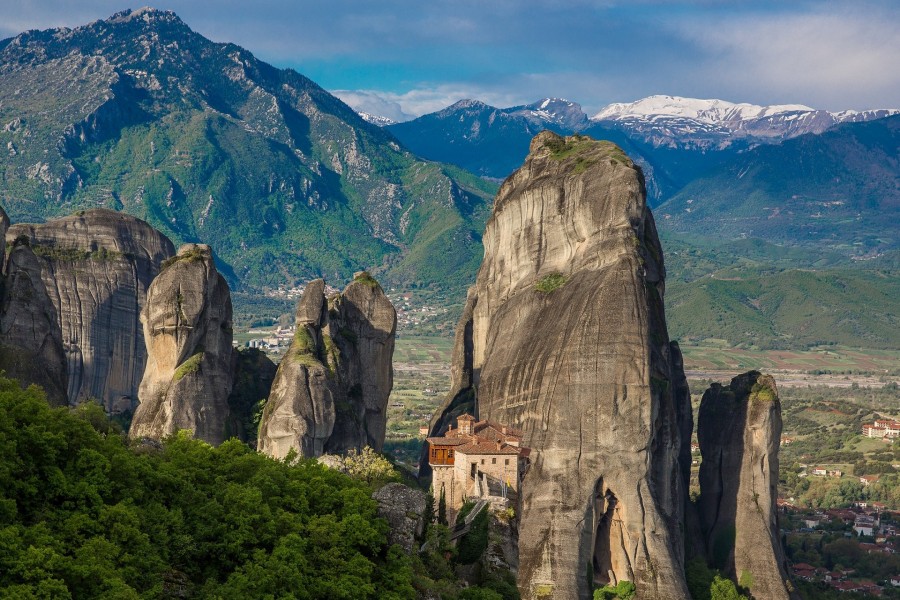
(86, 513)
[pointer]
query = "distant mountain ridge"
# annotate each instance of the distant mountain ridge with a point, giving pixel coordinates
(141, 114)
(673, 120)
(839, 190)
(673, 139)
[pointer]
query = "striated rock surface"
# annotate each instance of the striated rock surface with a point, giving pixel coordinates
(74, 291)
(188, 329)
(362, 325)
(739, 431)
(568, 342)
(331, 390)
(403, 508)
(299, 413)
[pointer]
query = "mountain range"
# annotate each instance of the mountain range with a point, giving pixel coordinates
(673, 139)
(139, 113)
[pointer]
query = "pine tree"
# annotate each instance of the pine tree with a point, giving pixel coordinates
(442, 509)
(428, 514)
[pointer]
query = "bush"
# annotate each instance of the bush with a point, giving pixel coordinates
(473, 544)
(550, 282)
(624, 590)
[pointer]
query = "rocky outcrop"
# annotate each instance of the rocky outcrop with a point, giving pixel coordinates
(739, 430)
(403, 508)
(568, 343)
(254, 373)
(74, 290)
(331, 390)
(188, 329)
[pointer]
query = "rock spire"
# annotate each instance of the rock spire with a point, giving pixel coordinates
(188, 328)
(564, 337)
(739, 430)
(331, 390)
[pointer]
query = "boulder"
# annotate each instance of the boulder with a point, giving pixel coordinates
(403, 508)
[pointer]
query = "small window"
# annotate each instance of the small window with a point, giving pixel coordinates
(493, 461)
(450, 453)
(482, 461)
(507, 462)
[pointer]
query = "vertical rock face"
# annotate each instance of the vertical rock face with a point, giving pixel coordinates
(362, 325)
(568, 342)
(188, 329)
(331, 390)
(254, 373)
(74, 291)
(739, 431)
(299, 413)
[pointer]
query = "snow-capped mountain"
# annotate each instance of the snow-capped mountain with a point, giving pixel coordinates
(690, 122)
(552, 111)
(558, 112)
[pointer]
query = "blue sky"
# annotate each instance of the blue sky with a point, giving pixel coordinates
(408, 57)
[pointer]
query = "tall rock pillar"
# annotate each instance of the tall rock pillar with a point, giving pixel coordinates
(188, 328)
(564, 337)
(739, 430)
(331, 390)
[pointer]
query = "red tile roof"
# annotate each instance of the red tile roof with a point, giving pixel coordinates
(447, 441)
(485, 439)
(487, 447)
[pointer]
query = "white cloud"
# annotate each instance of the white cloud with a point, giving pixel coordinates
(830, 59)
(422, 100)
(373, 103)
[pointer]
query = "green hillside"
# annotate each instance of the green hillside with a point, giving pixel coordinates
(838, 191)
(753, 293)
(139, 113)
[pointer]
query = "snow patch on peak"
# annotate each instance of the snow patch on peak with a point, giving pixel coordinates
(127, 15)
(710, 111)
(376, 119)
(467, 103)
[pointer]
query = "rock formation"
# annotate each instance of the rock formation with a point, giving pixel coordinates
(739, 431)
(403, 508)
(331, 390)
(568, 342)
(74, 290)
(254, 373)
(188, 329)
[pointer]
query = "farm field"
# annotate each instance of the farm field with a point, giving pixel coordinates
(834, 366)
(421, 381)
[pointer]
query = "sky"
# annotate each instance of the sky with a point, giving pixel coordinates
(404, 58)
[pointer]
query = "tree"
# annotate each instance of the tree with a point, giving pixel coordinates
(427, 514)
(624, 590)
(724, 589)
(442, 509)
(368, 466)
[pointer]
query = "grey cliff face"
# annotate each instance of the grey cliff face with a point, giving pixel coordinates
(404, 509)
(254, 373)
(81, 282)
(331, 390)
(568, 343)
(739, 430)
(188, 329)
